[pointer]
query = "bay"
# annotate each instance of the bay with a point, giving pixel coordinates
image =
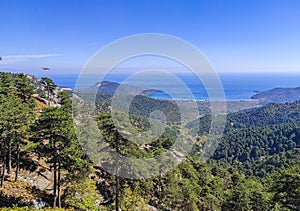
(237, 86)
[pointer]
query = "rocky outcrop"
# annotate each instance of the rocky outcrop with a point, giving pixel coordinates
(41, 93)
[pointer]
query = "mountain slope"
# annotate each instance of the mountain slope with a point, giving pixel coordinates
(257, 138)
(108, 87)
(261, 140)
(278, 95)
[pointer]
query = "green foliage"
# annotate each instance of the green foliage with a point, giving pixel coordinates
(82, 195)
(143, 106)
(55, 134)
(17, 113)
(248, 194)
(65, 101)
(259, 141)
(49, 87)
(24, 88)
(116, 141)
(245, 148)
(286, 188)
(132, 199)
(271, 114)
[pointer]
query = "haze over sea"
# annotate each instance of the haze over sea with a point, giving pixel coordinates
(237, 86)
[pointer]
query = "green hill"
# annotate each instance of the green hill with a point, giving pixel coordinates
(278, 95)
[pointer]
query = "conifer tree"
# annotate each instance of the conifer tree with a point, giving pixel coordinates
(49, 86)
(56, 137)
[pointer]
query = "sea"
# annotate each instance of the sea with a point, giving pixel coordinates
(236, 86)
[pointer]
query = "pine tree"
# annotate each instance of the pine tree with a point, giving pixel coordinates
(15, 119)
(110, 133)
(56, 137)
(65, 101)
(49, 86)
(24, 89)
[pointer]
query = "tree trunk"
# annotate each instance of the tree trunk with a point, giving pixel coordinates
(54, 185)
(54, 174)
(3, 170)
(18, 162)
(58, 184)
(117, 193)
(9, 157)
(48, 94)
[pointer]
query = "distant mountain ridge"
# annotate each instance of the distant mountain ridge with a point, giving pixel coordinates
(108, 87)
(278, 95)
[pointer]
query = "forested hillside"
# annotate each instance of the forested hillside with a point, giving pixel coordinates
(256, 166)
(254, 139)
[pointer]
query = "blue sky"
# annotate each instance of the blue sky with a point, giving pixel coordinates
(235, 35)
